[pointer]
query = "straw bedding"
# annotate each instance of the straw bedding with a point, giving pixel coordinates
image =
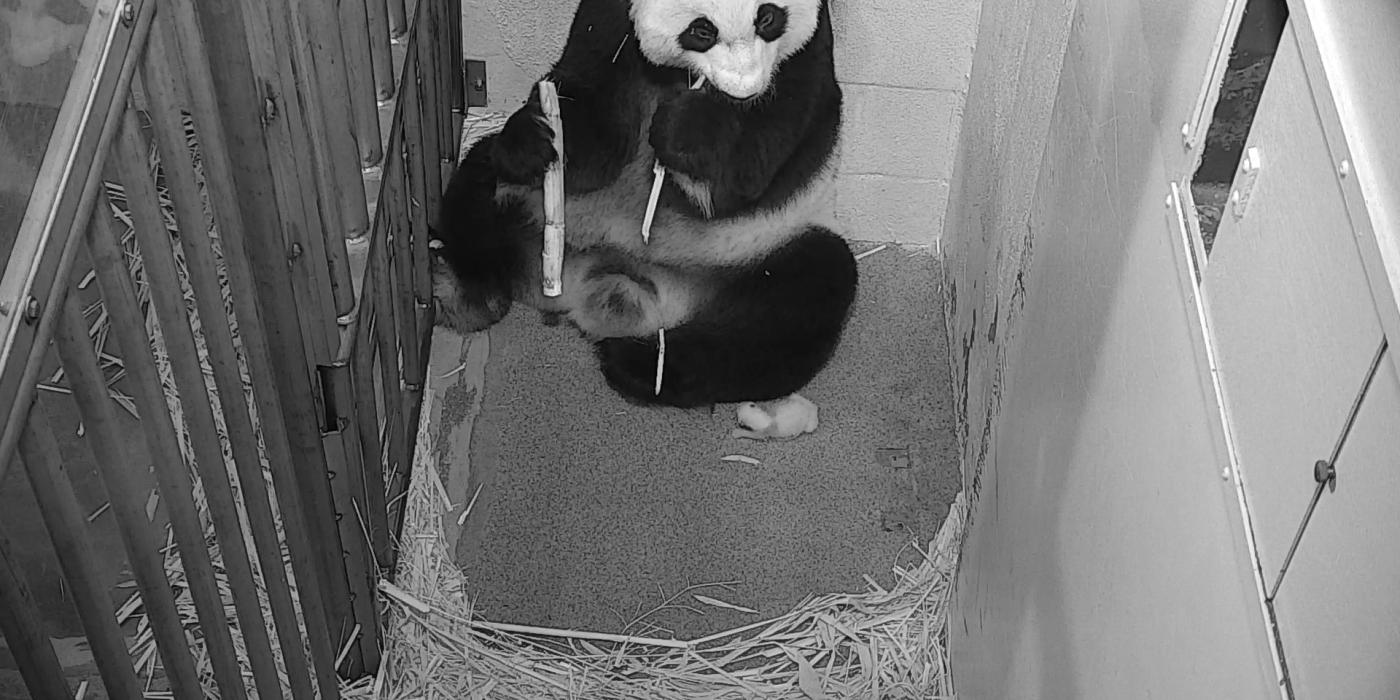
(880, 643)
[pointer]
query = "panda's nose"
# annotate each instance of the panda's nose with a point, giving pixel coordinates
(739, 70)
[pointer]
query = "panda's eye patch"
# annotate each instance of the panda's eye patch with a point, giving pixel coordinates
(699, 36)
(771, 21)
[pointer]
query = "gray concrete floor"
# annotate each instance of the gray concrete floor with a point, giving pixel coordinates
(591, 512)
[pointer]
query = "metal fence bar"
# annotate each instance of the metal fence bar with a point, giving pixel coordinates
(444, 68)
(168, 300)
(390, 378)
(410, 178)
(220, 102)
(162, 92)
(119, 470)
(24, 631)
(63, 518)
(371, 446)
(176, 490)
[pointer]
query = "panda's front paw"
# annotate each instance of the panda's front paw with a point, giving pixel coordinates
(467, 303)
(691, 133)
(524, 149)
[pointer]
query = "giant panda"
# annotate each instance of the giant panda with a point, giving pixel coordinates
(743, 269)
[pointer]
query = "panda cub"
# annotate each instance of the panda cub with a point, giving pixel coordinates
(742, 269)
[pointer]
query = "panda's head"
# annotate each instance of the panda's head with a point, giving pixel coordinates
(737, 45)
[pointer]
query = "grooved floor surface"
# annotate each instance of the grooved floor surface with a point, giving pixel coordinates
(591, 512)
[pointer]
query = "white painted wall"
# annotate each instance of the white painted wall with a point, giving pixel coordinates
(903, 65)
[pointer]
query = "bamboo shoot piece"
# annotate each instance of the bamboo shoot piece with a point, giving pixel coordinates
(553, 256)
(658, 179)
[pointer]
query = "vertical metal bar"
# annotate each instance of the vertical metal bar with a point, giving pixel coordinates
(381, 56)
(167, 297)
(164, 99)
(119, 470)
(359, 69)
(176, 490)
(330, 109)
(63, 518)
(24, 632)
(459, 78)
(214, 98)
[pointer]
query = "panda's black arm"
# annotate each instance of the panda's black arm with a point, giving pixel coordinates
(589, 76)
(753, 154)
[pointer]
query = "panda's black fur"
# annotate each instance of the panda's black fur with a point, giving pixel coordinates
(752, 289)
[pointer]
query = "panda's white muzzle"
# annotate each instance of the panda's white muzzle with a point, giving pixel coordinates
(739, 70)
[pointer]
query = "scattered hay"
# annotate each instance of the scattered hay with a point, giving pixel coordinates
(886, 643)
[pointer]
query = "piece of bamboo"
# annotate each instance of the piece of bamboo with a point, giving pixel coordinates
(553, 256)
(165, 99)
(176, 489)
(23, 630)
(398, 20)
(381, 55)
(359, 71)
(221, 102)
(67, 528)
(121, 472)
(390, 379)
(168, 300)
(366, 412)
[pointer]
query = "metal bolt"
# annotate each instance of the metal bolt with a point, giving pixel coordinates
(5, 308)
(1325, 473)
(1186, 139)
(1168, 201)
(1225, 473)
(31, 309)
(1344, 169)
(296, 252)
(128, 14)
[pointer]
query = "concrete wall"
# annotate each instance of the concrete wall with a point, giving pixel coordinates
(1105, 556)
(904, 67)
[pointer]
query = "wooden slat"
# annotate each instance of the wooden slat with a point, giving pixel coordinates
(390, 380)
(221, 102)
(422, 125)
(342, 451)
(42, 259)
(398, 19)
(24, 631)
(371, 447)
(359, 69)
(381, 56)
(167, 298)
(120, 472)
(410, 181)
(445, 67)
(296, 179)
(330, 111)
(64, 519)
(459, 78)
(128, 324)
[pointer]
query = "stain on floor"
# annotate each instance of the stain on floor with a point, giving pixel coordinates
(591, 513)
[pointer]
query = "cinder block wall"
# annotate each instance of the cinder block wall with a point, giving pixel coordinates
(904, 67)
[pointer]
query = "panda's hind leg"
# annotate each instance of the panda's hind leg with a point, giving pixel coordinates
(762, 332)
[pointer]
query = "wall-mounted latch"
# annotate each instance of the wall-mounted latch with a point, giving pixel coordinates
(476, 83)
(1245, 180)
